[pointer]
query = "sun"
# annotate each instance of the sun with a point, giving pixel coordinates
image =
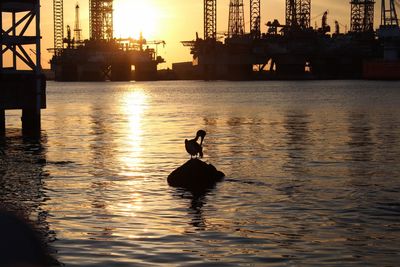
(134, 16)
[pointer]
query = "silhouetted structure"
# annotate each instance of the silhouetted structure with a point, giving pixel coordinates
(210, 19)
(102, 57)
(298, 14)
(295, 50)
(389, 13)
(388, 65)
(22, 82)
(77, 29)
(255, 18)
(362, 16)
(236, 19)
(101, 19)
(58, 13)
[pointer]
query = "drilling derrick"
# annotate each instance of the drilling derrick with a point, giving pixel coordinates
(236, 19)
(101, 19)
(210, 19)
(58, 24)
(362, 16)
(255, 18)
(304, 11)
(77, 29)
(298, 14)
(389, 16)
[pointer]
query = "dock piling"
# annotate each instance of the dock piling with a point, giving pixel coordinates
(2, 122)
(31, 124)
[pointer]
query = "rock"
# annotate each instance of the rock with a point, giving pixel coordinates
(195, 174)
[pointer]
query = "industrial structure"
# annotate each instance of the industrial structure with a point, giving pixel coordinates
(255, 18)
(362, 15)
(210, 19)
(296, 50)
(236, 19)
(101, 19)
(102, 57)
(77, 28)
(389, 14)
(298, 14)
(22, 83)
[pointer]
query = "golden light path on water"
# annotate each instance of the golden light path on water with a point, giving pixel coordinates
(134, 104)
(130, 159)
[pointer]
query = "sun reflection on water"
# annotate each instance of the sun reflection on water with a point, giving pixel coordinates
(133, 105)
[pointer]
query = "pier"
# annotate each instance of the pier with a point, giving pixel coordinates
(22, 83)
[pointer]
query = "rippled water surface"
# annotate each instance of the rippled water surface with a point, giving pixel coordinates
(312, 173)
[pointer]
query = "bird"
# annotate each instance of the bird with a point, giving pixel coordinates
(194, 148)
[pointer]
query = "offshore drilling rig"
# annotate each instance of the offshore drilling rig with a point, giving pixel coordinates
(296, 50)
(102, 57)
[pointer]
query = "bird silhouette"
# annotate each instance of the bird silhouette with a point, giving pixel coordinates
(194, 148)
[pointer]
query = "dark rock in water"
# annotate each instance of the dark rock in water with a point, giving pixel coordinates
(195, 174)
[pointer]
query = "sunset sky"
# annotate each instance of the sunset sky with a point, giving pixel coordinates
(176, 20)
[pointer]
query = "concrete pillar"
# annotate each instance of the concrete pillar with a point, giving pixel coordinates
(31, 125)
(2, 122)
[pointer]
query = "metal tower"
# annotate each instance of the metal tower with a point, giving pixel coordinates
(255, 18)
(58, 13)
(210, 19)
(77, 29)
(389, 16)
(362, 15)
(101, 19)
(236, 18)
(298, 14)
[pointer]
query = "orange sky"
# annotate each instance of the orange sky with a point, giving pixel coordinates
(177, 20)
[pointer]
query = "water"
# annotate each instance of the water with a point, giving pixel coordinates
(312, 173)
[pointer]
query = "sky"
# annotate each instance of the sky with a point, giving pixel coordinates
(176, 20)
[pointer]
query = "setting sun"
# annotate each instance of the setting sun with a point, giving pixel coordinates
(134, 16)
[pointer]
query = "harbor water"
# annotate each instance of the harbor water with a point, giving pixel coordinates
(312, 173)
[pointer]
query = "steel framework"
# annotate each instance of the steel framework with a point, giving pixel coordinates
(298, 14)
(236, 18)
(22, 85)
(15, 39)
(389, 16)
(58, 13)
(362, 16)
(255, 18)
(101, 19)
(77, 28)
(210, 19)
